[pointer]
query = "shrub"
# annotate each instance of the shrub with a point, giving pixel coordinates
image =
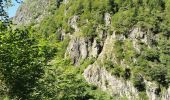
(152, 55)
(117, 71)
(138, 82)
(119, 51)
(21, 62)
(159, 74)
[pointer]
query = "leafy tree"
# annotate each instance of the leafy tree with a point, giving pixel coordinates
(159, 73)
(21, 62)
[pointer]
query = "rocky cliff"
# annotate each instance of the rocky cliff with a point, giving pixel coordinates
(97, 73)
(31, 11)
(123, 59)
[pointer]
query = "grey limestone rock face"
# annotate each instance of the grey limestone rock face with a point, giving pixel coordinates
(66, 1)
(31, 11)
(77, 49)
(117, 87)
(80, 48)
(97, 74)
(94, 50)
(166, 94)
(107, 19)
(73, 23)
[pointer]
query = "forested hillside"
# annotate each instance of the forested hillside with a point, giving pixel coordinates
(86, 50)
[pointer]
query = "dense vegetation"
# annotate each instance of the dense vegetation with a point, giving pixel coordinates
(31, 58)
(32, 67)
(152, 16)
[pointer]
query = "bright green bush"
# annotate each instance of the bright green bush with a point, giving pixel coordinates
(158, 73)
(21, 62)
(138, 82)
(119, 51)
(117, 71)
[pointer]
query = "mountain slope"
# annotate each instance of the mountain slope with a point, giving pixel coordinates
(32, 11)
(127, 42)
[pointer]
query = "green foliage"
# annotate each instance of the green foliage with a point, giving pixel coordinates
(128, 20)
(138, 82)
(119, 49)
(3, 88)
(125, 15)
(143, 95)
(85, 63)
(89, 30)
(63, 83)
(152, 64)
(124, 50)
(159, 73)
(129, 51)
(108, 64)
(166, 22)
(32, 63)
(151, 55)
(21, 62)
(117, 71)
(26, 72)
(47, 27)
(149, 15)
